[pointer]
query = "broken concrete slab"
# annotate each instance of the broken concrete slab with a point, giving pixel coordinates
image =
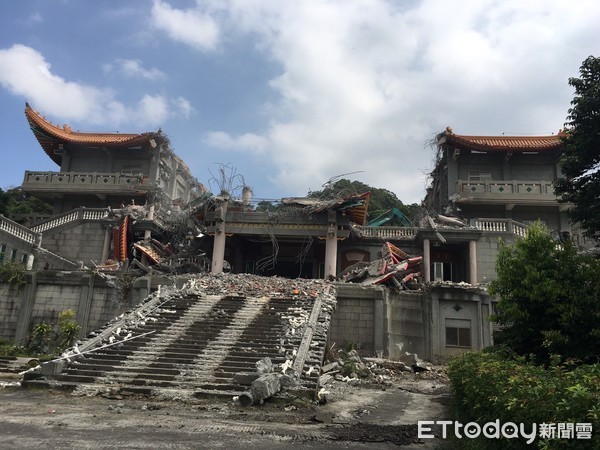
(329, 367)
(262, 388)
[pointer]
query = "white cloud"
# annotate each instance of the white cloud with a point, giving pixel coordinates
(133, 68)
(247, 141)
(183, 107)
(191, 27)
(365, 84)
(25, 72)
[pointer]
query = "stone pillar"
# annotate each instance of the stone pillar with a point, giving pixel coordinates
(150, 216)
(563, 220)
(85, 303)
(172, 190)
(331, 245)
(379, 341)
(452, 174)
(26, 309)
(106, 245)
(426, 261)
(218, 256)
(473, 262)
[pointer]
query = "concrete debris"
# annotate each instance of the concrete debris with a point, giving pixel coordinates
(265, 386)
(264, 365)
(395, 268)
(417, 365)
(450, 221)
(330, 367)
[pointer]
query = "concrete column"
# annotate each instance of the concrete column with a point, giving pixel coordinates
(172, 191)
(106, 245)
(150, 216)
(65, 163)
(331, 245)
(452, 174)
(379, 330)
(473, 262)
(218, 256)
(85, 303)
(563, 220)
(426, 261)
(26, 309)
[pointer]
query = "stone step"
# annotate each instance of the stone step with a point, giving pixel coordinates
(198, 343)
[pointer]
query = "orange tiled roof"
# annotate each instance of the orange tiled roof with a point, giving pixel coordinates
(505, 143)
(50, 136)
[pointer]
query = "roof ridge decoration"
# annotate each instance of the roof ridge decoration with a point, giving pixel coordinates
(502, 143)
(51, 136)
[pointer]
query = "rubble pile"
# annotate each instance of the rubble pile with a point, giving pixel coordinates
(350, 368)
(395, 268)
(200, 338)
(248, 285)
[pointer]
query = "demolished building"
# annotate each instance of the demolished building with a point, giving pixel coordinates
(127, 203)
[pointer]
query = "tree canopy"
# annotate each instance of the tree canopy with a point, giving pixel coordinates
(549, 298)
(581, 157)
(15, 204)
(382, 200)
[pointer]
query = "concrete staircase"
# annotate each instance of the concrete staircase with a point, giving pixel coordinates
(190, 342)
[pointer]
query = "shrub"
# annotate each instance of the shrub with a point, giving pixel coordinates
(13, 273)
(488, 386)
(46, 339)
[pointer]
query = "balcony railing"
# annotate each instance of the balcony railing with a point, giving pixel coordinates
(513, 191)
(500, 226)
(83, 181)
(386, 233)
(18, 231)
(88, 214)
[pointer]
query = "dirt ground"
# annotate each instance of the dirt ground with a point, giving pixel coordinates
(374, 414)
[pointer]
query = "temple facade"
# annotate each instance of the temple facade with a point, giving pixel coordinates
(416, 288)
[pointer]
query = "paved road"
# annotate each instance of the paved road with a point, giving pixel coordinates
(354, 417)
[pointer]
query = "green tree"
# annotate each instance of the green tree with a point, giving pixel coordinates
(549, 298)
(15, 204)
(581, 157)
(382, 200)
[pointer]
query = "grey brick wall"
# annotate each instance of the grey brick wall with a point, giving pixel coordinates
(353, 323)
(81, 242)
(9, 310)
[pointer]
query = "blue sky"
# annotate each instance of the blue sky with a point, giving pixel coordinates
(291, 93)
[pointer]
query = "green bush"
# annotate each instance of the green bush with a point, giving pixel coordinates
(48, 339)
(13, 273)
(492, 386)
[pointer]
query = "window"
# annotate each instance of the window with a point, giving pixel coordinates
(24, 257)
(2, 251)
(13, 254)
(458, 333)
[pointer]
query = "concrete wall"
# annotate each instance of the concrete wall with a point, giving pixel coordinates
(95, 301)
(9, 310)
(487, 252)
(8, 243)
(353, 322)
(451, 305)
(375, 319)
(406, 327)
(77, 242)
